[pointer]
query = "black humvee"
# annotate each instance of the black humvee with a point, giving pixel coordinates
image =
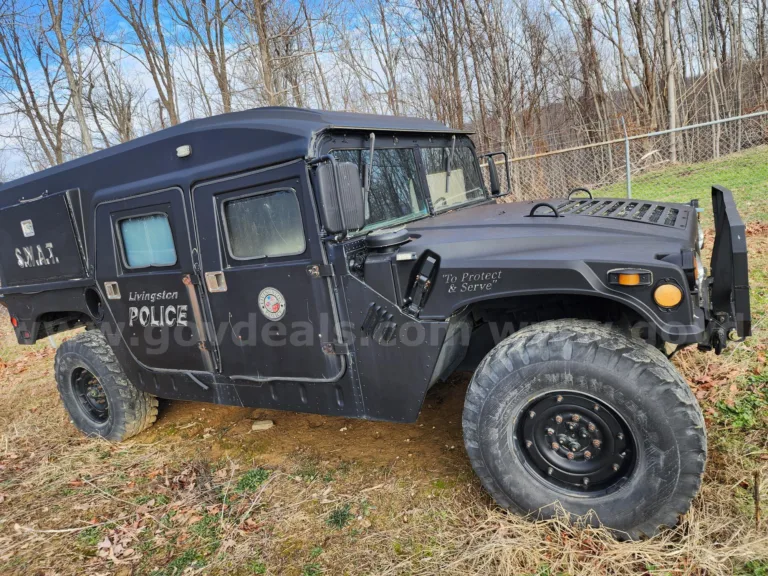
(344, 263)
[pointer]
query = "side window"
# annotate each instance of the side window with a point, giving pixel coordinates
(147, 241)
(266, 225)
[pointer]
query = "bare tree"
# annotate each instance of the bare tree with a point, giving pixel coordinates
(144, 18)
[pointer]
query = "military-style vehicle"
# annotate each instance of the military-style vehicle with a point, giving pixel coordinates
(343, 264)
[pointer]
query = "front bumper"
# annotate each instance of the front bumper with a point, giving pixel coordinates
(728, 313)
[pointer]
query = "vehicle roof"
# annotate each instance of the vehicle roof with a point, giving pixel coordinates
(269, 135)
(290, 129)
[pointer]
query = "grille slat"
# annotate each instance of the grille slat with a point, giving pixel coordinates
(636, 211)
(605, 209)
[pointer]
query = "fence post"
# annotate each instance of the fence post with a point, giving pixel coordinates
(627, 161)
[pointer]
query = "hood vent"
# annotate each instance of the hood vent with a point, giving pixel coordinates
(634, 210)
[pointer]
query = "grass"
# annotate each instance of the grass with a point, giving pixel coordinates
(339, 517)
(374, 498)
(252, 479)
(745, 174)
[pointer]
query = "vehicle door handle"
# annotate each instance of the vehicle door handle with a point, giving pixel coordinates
(215, 281)
(112, 290)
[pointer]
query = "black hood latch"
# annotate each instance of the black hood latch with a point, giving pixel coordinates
(421, 285)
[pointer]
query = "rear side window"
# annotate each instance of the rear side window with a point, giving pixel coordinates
(266, 225)
(147, 241)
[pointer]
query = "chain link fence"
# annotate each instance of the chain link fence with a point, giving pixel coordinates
(552, 174)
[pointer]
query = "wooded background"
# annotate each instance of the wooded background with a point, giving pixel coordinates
(529, 76)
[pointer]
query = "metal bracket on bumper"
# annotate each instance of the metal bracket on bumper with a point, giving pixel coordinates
(729, 282)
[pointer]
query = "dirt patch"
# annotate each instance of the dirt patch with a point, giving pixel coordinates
(433, 443)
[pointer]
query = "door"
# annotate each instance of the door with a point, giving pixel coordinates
(145, 273)
(259, 238)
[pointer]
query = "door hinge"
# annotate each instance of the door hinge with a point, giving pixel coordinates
(319, 271)
(337, 348)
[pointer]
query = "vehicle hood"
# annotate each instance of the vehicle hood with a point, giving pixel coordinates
(605, 229)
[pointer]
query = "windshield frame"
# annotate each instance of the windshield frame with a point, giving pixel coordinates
(332, 142)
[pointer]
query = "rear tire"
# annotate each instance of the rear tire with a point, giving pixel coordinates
(566, 400)
(97, 394)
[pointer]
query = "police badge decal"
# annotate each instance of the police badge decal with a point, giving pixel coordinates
(272, 303)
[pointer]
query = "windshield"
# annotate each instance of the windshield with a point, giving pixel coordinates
(463, 185)
(396, 195)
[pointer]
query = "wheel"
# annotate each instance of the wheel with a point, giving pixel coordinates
(100, 399)
(575, 414)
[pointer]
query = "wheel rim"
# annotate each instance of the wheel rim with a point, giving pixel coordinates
(91, 395)
(577, 442)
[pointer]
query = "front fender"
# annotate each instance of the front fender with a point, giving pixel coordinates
(454, 289)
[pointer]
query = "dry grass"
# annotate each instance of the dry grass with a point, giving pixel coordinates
(200, 494)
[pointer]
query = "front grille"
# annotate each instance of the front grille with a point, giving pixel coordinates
(634, 210)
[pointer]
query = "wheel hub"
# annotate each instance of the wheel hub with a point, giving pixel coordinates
(577, 442)
(90, 393)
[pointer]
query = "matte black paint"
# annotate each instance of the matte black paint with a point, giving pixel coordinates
(485, 252)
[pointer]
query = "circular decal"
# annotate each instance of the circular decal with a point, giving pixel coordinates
(272, 303)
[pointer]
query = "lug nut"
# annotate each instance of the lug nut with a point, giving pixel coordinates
(531, 414)
(596, 407)
(587, 455)
(620, 436)
(596, 443)
(550, 431)
(559, 419)
(570, 455)
(591, 427)
(550, 470)
(555, 446)
(559, 398)
(586, 481)
(528, 443)
(575, 447)
(575, 417)
(615, 467)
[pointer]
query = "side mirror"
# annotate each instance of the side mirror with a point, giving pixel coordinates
(340, 196)
(493, 176)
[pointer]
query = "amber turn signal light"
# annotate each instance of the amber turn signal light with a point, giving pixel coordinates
(14, 322)
(629, 279)
(668, 295)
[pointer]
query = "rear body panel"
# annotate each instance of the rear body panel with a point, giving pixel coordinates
(40, 242)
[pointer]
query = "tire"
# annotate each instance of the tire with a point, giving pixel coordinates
(98, 396)
(649, 428)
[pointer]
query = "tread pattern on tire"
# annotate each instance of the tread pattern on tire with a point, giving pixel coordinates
(590, 342)
(139, 408)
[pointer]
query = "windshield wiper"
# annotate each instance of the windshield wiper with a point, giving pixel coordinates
(448, 168)
(367, 174)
